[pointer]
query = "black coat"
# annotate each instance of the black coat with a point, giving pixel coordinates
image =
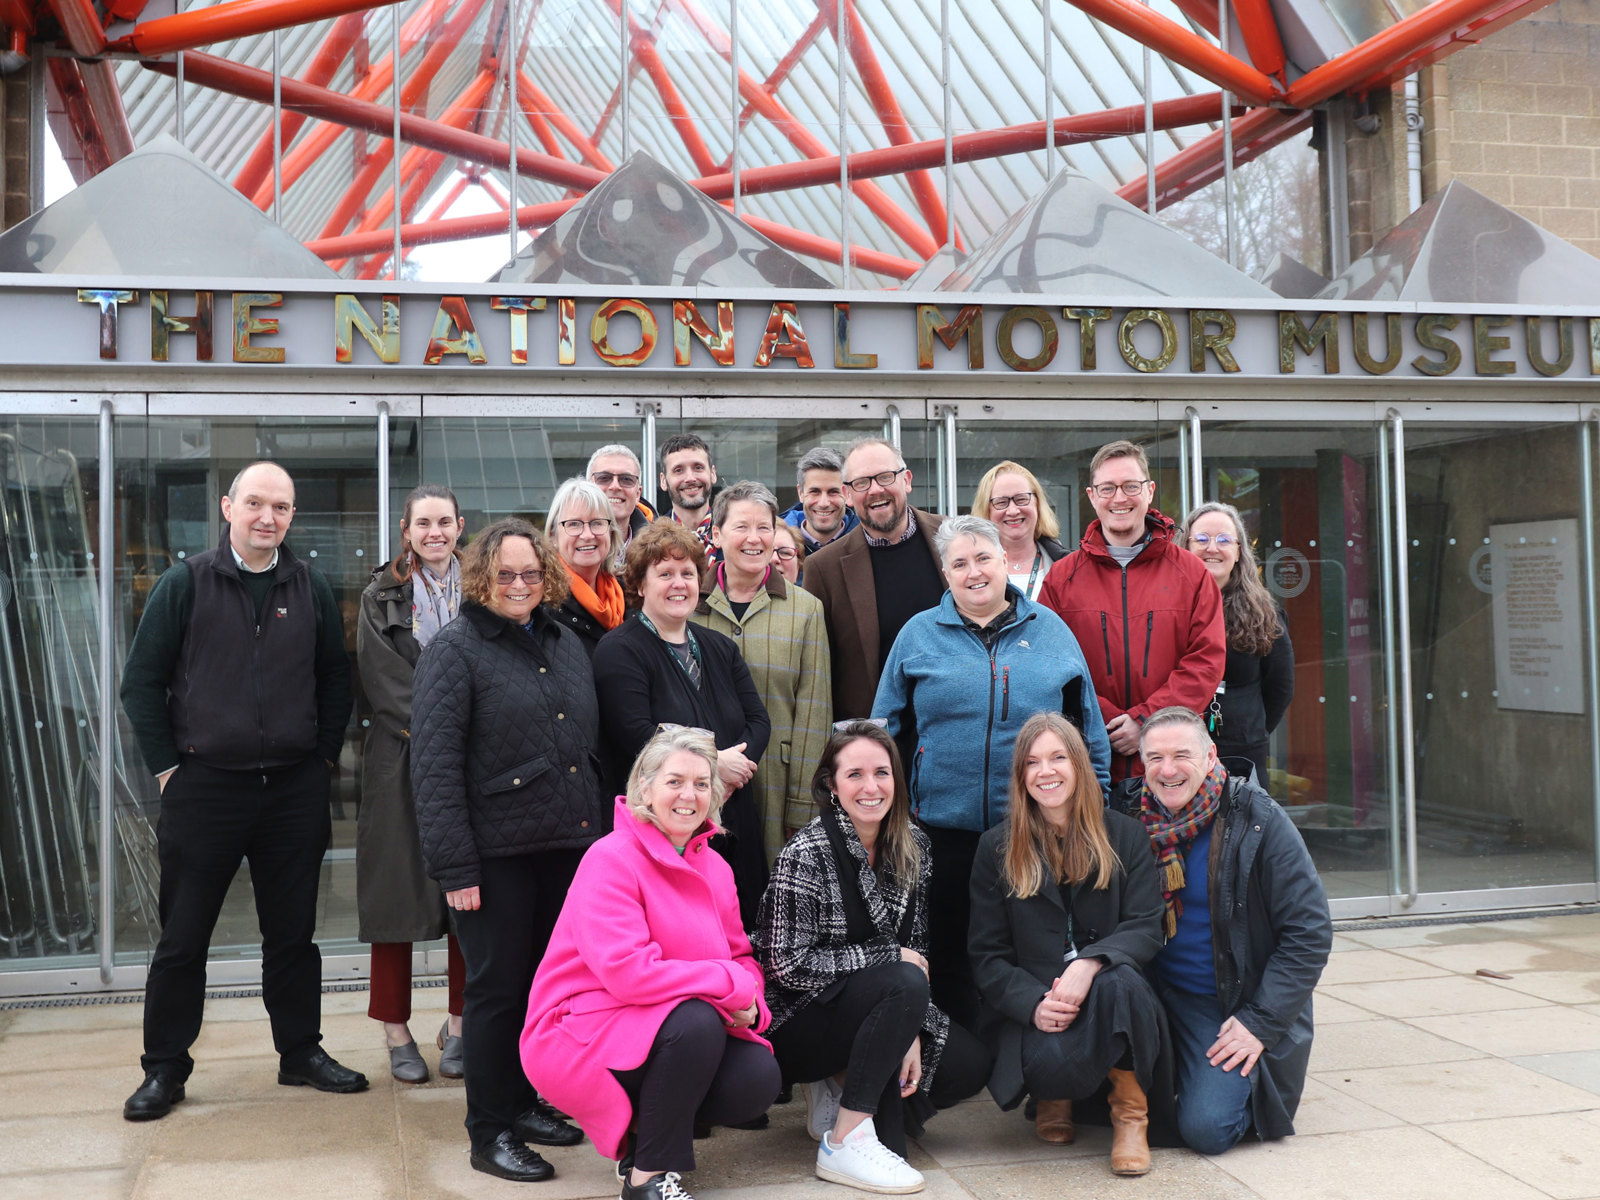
(574, 616)
(504, 733)
(1017, 944)
(1271, 935)
(1259, 688)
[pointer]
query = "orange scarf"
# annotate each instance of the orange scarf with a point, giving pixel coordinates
(607, 606)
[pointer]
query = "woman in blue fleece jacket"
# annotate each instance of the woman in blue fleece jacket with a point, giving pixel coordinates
(960, 681)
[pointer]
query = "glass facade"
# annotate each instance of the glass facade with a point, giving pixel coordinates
(1495, 554)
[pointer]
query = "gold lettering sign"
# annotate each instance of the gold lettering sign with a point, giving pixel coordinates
(931, 324)
(1363, 343)
(566, 331)
(107, 299)
(163, 324)
(454, 333)
(600, 333)
(1535, 344)
(1130, 352)
(351, 317)
(519, 307)
(1049, 339)
(784, 337)
(1484, 346)
(686, 320)
(1200, 341)
(843, 357)
(1292, 332)
(1086, 319)
(1428, 334)
(246, 326)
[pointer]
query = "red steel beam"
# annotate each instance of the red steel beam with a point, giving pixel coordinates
(533, 100)
(1262, 40)
(1202, 12)
(251, 84)
(1184, 47)
(881, 94)
(1426, 35)
(17, 16)
(81, 24)
(791, 59)
(335, 48)
(105, 98)
(830, 251)
(224, 22)
(644, 51)
(1207, 153)
(67, 81)
(1296, 122)
(451, 196)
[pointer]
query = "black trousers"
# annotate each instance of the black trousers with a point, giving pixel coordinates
(949, 908)
(864, 1029)
(211, 821)
(1119, 1025)
(502, 943)
(695, 1072)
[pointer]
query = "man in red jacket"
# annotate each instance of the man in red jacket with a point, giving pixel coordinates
(1145, 612)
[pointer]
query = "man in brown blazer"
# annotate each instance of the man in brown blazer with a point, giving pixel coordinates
(875, 578)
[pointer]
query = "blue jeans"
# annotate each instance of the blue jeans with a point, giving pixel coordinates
(1213, 1104)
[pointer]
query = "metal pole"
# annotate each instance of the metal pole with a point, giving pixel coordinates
(383, 481)
(1391, 669)
(394, 161)
(622, 49)
(1227, 143)
(1338, 188)
(105, 554)
(1197, 485)
(892, 412)
(512, 67)
(841, 39)
(1408, 737)
(951, 505)
(738, 103)
(1593, 651)
(647, 462)
(949, 141)
(178, 106)
(1049, 13)
(277, 129)
(1149, 136)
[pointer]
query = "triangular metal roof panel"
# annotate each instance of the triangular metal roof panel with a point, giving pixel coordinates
(1076, 238)
(644, 225)
(157, 211)
(1290, 278)
(1463, 248)
(931, 273)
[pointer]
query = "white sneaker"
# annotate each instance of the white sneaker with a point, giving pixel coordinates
(862, 1161)
(822, 1106)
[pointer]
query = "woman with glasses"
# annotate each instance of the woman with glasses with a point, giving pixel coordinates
(505, 726)
(1258, 683)
(1013, 498)
(783, 639)
(585, 532)
(657, 669)
(789, 553)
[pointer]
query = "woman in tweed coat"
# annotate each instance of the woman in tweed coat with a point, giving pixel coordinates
(842, 936)
(780, 632)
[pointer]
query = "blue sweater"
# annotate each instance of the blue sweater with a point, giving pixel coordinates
(1187, 962)
(965, 705)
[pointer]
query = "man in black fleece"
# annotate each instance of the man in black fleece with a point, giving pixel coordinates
(238, 689)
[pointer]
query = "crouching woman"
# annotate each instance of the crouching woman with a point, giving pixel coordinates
(645, 1015)
(1066, 910)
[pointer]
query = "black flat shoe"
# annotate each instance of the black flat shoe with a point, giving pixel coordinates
(318, 1070)
(154, 1098)
(508, 1158)
(665, 1186)
(539, 1126)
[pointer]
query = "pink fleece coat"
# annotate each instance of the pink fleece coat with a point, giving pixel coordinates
(642, 930)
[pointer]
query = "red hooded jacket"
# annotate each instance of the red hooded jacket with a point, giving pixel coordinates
(1152, 632)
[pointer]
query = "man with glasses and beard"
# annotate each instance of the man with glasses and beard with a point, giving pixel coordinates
(615, 471)
(875, 578)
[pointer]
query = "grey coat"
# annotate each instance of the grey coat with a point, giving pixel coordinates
(395, 899)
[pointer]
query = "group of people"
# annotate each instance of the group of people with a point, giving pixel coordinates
(919, 807)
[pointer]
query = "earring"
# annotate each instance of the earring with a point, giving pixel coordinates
(833, 796)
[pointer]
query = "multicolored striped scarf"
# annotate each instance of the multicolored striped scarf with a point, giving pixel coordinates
(1171, 835)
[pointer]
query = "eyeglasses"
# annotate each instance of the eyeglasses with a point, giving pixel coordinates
(606, 478)
(1131, 487)
(533, 577)
(598, 525)
(1221, 541)
(783, 553)
(844, 726)
(882, 479)
(1021, 500)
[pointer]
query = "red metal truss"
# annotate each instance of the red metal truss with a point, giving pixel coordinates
(225, 22)
(1197, 165)
(534, 101)
(791, 58)
(81, 24)
(642, 49)
(1184, 47)
(67, 81)
(1262, 41)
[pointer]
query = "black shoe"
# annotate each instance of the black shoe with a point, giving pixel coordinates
(665, 1186)
(786, 1096)
(321, 1072)
(510, 1159)
(154, 1098)
(760, 1122)
(540, 1126)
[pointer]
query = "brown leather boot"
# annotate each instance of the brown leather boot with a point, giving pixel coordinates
(1053, 1123)
(1130, 1118)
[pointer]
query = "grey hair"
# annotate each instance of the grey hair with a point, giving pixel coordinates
(607, 452)
(818, 458)
(578, 492)
(233, 488)
(966, 525)
(653, 757)
(747, 490)
(1175, 714)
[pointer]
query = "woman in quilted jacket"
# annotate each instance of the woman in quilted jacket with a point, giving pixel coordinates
(507, 784)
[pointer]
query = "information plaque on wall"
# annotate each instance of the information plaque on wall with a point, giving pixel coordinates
(1538, 628)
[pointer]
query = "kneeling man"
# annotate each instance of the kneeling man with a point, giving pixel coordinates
(1248, 934)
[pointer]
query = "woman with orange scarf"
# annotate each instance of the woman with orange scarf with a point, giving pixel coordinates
(586, 536)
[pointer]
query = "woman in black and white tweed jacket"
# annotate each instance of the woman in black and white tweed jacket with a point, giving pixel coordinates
(843, 938)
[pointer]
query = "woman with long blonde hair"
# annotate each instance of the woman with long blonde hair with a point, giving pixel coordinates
(1066, 910)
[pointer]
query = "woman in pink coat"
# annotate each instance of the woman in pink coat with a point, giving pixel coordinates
(646, 1010)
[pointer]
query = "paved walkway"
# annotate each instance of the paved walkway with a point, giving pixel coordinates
(1428, 1081)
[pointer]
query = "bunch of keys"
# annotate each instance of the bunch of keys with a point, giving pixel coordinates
(1214, 713)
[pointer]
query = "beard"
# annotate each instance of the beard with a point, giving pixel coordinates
(889, 519)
